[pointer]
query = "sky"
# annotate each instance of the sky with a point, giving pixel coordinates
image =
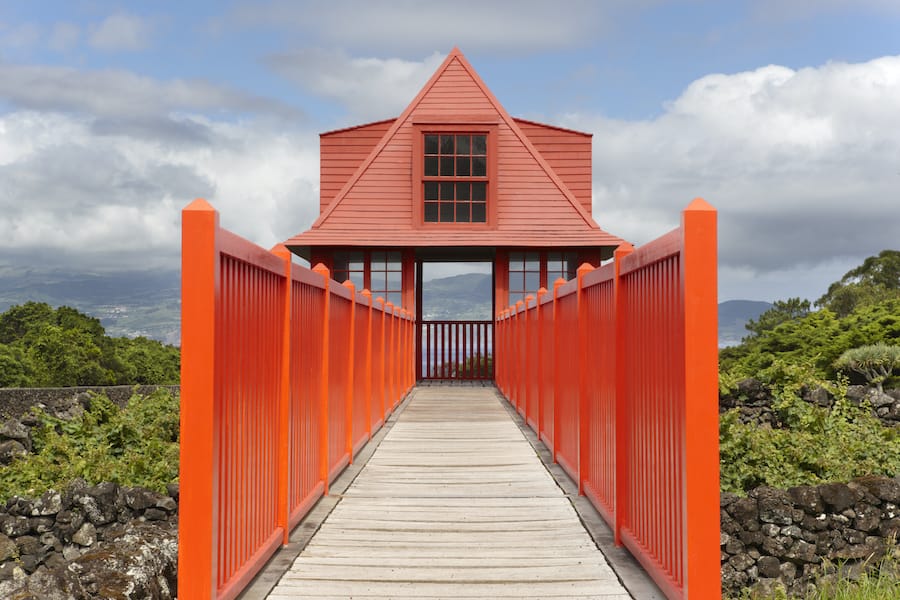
(783, 114)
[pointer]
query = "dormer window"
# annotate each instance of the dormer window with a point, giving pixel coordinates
(455, 174)
(455, 178)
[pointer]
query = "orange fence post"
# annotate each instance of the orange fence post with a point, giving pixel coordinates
(520, 355)
(323, 388)
(390, 352)
(540, 344)
(383, 361)
(701, 460)
(197, 533)
(621, 406)
(368, 296)
(583, 393)
(284, 403)
(526, 345)
(351, 361)
(557, 366)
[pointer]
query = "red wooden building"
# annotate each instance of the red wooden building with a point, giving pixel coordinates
(454, 178)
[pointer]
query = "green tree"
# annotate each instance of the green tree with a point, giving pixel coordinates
(877, 279)
(20, 320)
(781, 312)
(67, 357)
(876, 362)
(14, 367)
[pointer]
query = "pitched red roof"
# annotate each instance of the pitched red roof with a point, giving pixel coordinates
(535, 206)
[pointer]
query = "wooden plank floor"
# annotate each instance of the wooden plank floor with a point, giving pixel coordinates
(453, 504)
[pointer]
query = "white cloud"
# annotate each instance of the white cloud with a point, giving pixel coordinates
(120, 94)
(370, 88)
(121, 32)
(802, 165)
(73, 198)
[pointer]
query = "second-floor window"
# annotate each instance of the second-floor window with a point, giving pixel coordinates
(455, 178)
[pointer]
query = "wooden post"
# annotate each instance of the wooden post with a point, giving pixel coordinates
(584, 430)
(540, 374)
(368, 296)
(197, 531)
(557, 366)
(324, 387)
(381, 367)
(623, 456)
(351, 361)
(390, 351)
(284, 401)
(701, 458)
(526, 347)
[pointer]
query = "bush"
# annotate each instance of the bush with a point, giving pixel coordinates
(876, 362)
(816, 446)
(134, 446)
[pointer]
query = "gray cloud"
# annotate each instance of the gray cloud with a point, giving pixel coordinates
(411, 26)
(121, 32)
(121, 94)
(370, 88)
(802, 165)
(88, 201)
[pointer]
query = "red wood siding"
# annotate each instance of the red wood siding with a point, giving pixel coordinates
(567, 152)
(534, 205)
(340, 154)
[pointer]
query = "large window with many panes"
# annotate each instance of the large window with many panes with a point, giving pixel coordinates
(455, 177)
(378, 271)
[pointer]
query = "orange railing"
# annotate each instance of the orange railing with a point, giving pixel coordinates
(285, 374)
(616, 371)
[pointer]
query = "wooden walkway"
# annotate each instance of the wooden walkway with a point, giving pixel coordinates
(454, 503)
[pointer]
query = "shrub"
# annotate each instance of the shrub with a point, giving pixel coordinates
(876, 362)
(137, 445)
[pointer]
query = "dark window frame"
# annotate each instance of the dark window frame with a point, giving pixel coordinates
(427, 189)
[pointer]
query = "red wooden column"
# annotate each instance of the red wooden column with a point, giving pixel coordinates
(391, 351)
(284, 401)
(349, 371)
(623, 457)
(557, 365)
(584, 363)
(539, 321)
(381, 366)
(701, 459)
(197, 531)
(368, 362)
(526, 346)
(323, 387)
(520, 354)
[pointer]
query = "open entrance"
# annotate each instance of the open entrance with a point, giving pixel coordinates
(455, 333)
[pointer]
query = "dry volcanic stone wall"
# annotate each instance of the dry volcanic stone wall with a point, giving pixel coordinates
(791, 537)
(101, 541)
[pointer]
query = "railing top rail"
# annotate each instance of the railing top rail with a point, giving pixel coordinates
(659, 249)
(244, 250)
(601, 274)
(304, 275)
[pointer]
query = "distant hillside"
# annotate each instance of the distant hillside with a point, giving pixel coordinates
(149, 304)
(734, 315)
(127, 304)
(463, 297)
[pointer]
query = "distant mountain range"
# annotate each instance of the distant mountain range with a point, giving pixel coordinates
(128, 304)
(733, 315)
(149, 304)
